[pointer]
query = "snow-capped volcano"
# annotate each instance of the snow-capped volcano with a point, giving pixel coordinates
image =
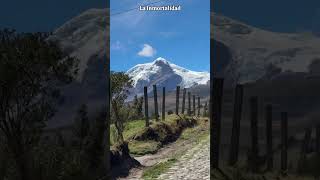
(85, 37)
(164, 74)
(244, 53)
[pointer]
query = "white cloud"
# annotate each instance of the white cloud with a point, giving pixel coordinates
(147, 51)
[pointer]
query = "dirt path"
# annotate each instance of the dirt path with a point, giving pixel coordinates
(186, 147)
(194, 165)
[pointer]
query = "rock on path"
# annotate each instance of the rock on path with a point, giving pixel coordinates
(193, 165)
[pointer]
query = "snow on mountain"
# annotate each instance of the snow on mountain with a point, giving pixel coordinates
(85, 36)
(242, 53)
(164, 74)
(246, 53)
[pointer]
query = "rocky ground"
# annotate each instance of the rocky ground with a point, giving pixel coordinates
(193, 165)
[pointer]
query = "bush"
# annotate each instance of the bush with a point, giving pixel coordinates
(164, 132)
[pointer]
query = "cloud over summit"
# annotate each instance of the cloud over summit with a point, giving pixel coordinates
(147, 51)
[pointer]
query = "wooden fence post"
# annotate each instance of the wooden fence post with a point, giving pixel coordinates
(234, 149)
(146, 113)
(189, 103)
(183, 100)
(177, 100)
(198, 106)
(284, 143)
(194, 105)
(254, 134)
(215, 117)
(155, 96)
(269, 145)
(163, 103)
(205, 109)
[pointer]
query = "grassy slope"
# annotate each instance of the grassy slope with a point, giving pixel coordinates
(135, 127)
(136, 147)
(155, 171)
(194, 135)
(131, 128)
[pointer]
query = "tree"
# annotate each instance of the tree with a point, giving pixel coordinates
(140, 108)
(137, 107)
(120, 85)
(32, 70)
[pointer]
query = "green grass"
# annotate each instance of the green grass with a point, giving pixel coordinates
(167, 132)
(131, 128)
(190, 132)
(195, 135)
(202, 132)
(137, 127)
(155, 171)
(143, 147)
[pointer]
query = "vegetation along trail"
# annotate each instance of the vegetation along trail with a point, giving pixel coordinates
(190, 153)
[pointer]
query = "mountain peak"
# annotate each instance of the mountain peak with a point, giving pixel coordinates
(161, 61)
(163, 73)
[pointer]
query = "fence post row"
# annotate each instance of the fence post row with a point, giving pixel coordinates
(163, 103)
(189, 103)
(215, 118)
(199, 106)
(269, 145)
(194, 105)
(177, 100)
(205, 109)
(254, 134)
(155, 96)
(146, 106)
(284, 142)
(254, 159)
(183, 100)
(234, 150)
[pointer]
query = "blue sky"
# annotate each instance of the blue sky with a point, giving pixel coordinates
(181, 37)
(42, 15)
